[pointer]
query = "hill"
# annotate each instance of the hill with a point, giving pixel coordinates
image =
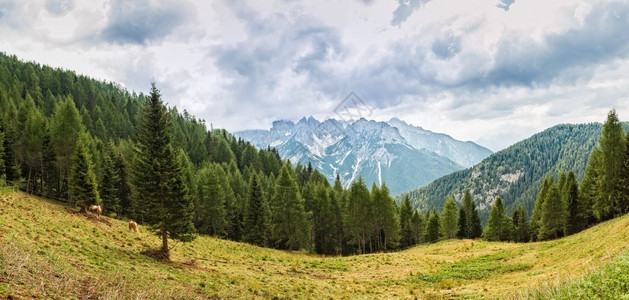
(48, 250)
(515, 174)
(402, 155)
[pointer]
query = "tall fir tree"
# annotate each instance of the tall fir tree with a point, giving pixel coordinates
(553, 219)
(357, 215)
(574, 223)
(256, 216)
(612, 145)
(83, 189)
(110, 182)
(2, 175)
(406, 224)
(419, 228)
(66, 127)
(536, 218)
(521, 225)
(211, 202)
(622, 189)
(589, 189)
(326, 237)
(386, 220)
(469, 220)
(157, 179)
(449, 219)
(499, 227)
(291, 229)
(433, 227)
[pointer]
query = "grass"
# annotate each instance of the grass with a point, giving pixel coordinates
(48, 250)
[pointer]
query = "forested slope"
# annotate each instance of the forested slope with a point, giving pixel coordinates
(516, 173)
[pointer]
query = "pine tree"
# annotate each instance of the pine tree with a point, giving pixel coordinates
(82, 182)
(612, 145)
(50, 174)
(324, 222)
(419, 228)
(622, 189)
(211, 202)
(499, 227)
(590, 184)
(521, 226)
(123, 184)
(536, 218)
(290, 223)
(449, 219)
(11, 166)
(357, 215)
(469, 221)
(110, 183)
(157, 180)
(406, 225)
(385, 219)
(574, 223)
(66, 127)
(432, 231)
(256, 216)
(553, 219)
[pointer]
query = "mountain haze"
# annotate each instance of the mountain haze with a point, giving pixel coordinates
(377, 151)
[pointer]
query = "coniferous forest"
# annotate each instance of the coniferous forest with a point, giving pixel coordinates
(88, 142)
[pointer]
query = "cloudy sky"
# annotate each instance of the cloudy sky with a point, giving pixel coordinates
(490, 71)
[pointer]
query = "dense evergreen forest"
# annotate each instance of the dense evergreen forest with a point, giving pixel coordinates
(516, 174)
(89, 142)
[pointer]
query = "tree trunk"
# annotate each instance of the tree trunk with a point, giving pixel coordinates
(165, 250)
(28, 181)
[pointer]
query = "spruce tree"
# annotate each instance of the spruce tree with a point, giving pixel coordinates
(291, 229)
(622, 189)
(520, 224)
(553, 215)
(211, 202)
(433, 228)
(536, 217)
(419, 228)
(65, 129)
(157, 179)
(2, 175)
(357, 215)
(589, 191)
(256, 216)
(83, 189)
(326, 237)
(612, 145)
(123, 188)
(449, 219)
(469, 221)
(498, 225)
(574, 223)
(406, 225)
(385, 218)
(110, 183)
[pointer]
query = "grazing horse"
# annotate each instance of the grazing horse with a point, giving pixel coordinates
(97, 209)
(133, 226)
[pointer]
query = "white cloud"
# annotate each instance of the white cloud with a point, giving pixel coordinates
(489, 71)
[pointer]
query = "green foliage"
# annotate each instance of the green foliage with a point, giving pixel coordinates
(357, 215)
(520, 225)
(256, 218)
(469, 221)
(622, 185)
(536, 218)
(553, 219)
(210, 201)
(385, 219)
(157, 179)
(82, 182)
(110, 183)
(449, 219)
(406, 225)
(613, 146)
(432, 230)
(66, 127)
(570, 195)
(291, 229)
(562, 147)
(499, 226)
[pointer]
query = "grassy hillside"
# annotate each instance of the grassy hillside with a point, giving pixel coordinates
(515, 174)
(47, 250)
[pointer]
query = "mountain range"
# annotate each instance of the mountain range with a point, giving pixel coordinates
(516, 173)
(401, 155)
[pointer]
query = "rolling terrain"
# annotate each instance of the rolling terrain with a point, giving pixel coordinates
(48, 250)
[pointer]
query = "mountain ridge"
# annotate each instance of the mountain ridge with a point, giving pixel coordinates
(375, 150)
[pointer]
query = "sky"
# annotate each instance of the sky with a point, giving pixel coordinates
(490, 71)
